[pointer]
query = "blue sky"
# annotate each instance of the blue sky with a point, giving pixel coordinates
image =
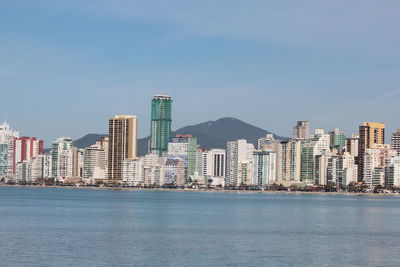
(68, 66)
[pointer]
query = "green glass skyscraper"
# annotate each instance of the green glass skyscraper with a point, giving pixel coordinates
(161, 120)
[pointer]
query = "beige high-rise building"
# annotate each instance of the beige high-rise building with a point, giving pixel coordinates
(371, 135)
(122, 144)
(301, 130)
(288, 162)
(352, 145)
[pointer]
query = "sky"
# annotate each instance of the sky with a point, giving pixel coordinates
(66, 67)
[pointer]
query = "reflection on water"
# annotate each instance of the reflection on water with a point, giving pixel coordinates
(61, 227)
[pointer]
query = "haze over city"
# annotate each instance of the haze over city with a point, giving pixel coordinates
(66, 67)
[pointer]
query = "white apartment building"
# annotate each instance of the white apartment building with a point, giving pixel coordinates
(239, 156)
(132, 172)
(153, 169)
(396, 141)
(393, 173)
(352, 145)
(62, 158)
(264, 168)
(94, 164)
(375, 160)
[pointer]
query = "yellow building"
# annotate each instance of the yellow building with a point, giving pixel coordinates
(372, 135)
(122, 143)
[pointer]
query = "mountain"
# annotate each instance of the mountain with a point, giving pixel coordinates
(88, 140)
(210, 134)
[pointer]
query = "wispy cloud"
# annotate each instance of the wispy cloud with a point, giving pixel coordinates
(363, 27)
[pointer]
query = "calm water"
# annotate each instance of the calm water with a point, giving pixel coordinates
(70, 227)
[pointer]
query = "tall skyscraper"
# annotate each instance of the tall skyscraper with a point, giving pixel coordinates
(301, 130)
(161, 120)
(122, 144)
(396, 141)
(371, 134)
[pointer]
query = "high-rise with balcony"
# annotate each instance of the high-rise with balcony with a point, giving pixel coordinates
(371, 135)
(239, 159)
(122, 144)
(184, 147)
(301, 130)
(337, 139)
(62, 158)
(396, 141)
(160, 129)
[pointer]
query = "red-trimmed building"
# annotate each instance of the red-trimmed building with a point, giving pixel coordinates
(26, 148)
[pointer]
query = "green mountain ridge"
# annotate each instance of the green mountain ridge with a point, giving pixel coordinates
(210, 134)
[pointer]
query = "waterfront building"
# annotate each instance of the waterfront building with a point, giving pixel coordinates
(288, 162)
(94, 163)
(371, 134)
(103, 144)
(350, 169)
(132, 172)
(264, 164)
(27, 147)
(184, 147)
(318, 145)
(21, 171)
(352, 145)
(396, 141)
(341, 170)
(47, 166)
(153, 170)
(174, 172)
(62, 158)
(3, 161)
(77, 162)
(375, 160)
(210, 167)
(335, 170)
(122, 144)
(239, 154)
(392, 173)
(161, 120)
(211, 163)
(35, 169)
(307, 168)
(301, 130)
(321, 168)
(31, 170)
(337, 139)
(245, 172)
(7, 136)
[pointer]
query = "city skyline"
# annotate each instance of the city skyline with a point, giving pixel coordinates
(199, 132)
(272, 64)
(323, 159)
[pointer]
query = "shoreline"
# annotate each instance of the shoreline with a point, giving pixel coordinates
(207, 190)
